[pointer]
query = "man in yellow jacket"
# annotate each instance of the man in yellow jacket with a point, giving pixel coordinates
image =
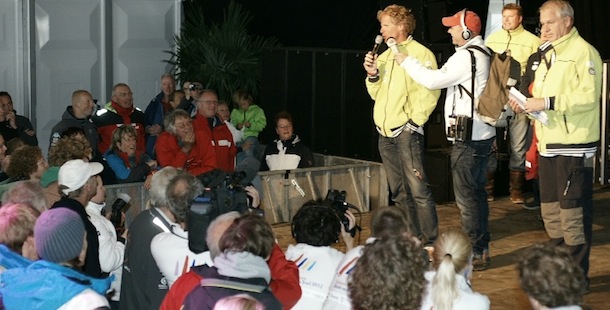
(401, 109)
(567, 86)
(521, 44)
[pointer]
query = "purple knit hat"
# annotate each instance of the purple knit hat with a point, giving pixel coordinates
(59, 234)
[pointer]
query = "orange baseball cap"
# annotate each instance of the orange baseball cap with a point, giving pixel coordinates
(472, 20)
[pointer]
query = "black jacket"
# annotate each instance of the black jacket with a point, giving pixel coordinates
(92, 261)
(142, 286)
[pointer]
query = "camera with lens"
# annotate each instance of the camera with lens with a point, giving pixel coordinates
(336, 200)
(461, 128)
(224, 193)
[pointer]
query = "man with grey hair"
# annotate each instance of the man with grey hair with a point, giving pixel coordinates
(182, 147)
(567, 88)
(143, 285)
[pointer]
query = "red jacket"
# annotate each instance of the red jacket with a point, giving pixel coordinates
(223, 141)
(111, 117)
(284, 283)
(531, 158)
(199, 160)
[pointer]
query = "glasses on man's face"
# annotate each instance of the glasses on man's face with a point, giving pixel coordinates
(284, 126)
(210, 101)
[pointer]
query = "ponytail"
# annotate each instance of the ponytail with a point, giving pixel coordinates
(444, 286)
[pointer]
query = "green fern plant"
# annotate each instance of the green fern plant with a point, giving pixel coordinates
(223, 56)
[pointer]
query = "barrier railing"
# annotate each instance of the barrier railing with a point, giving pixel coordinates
(283, 192)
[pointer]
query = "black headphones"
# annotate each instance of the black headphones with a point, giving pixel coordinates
(466, 33)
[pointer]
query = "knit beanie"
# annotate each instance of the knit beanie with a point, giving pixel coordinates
(59, 234)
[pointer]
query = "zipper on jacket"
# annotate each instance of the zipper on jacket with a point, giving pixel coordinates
(565, 122)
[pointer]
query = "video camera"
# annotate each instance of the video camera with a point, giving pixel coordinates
(224, 193)
(336, 200)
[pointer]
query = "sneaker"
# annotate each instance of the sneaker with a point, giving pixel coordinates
(516, 197)
(481, 261)
(534, 205)
(430, 250)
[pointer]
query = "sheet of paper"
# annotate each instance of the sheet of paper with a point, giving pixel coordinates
(520, 98)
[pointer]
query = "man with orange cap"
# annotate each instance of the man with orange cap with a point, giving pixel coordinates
(464, 75)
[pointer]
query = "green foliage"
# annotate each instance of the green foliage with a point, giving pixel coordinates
(223, 56)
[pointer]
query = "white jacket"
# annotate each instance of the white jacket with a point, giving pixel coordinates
(173, 256)
(338, 295)
(111, 250)
(317, 265)
(457, 71)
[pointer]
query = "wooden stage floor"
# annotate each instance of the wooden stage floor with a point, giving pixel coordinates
(513, 229)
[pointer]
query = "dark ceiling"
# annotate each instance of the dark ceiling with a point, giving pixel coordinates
(352, 24)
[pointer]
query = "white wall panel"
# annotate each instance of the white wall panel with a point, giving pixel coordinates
(12, 75)
(142, 30)
(83, 44)
(66, 57)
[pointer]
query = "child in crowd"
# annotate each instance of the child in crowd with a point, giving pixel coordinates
(250, 119)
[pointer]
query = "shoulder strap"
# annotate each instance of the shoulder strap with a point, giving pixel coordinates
(473, 70)
(233, 285)
(480, 49)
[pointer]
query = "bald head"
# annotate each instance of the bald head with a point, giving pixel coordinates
(216, 229)
(82, 104)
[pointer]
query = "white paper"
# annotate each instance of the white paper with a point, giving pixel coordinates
(520, 98)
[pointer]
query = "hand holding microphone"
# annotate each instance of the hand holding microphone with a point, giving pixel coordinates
(370, 60)
(378, 41)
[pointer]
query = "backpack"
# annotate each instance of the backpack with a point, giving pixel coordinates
(504, 73)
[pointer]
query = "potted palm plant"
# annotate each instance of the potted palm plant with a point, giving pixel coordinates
(223, 56)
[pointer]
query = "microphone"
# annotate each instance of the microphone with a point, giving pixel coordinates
(117, 208)
(378, 41)
(391, 42)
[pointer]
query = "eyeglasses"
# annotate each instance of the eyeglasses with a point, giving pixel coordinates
(210, 101)
(284, 126)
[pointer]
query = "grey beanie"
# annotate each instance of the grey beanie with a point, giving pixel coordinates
(59, 234)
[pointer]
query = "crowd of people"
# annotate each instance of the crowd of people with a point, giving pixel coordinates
(60, 250)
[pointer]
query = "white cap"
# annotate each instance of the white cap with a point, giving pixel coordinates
(75, 173)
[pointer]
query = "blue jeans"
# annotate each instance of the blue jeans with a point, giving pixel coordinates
(402, 158)
(249, 153)
(468, 167)
(518, 131)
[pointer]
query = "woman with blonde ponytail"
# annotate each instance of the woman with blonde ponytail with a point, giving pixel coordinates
(449, 282)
